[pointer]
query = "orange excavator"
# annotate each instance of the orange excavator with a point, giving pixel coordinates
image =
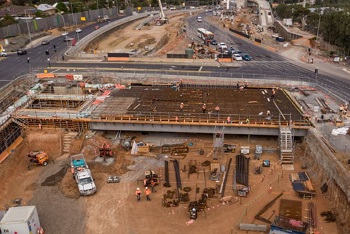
(38, 157)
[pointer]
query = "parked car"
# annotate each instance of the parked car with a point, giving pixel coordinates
(232, 50)
(213, 42)
(199, 19)
(246, 57)
(237, 57)
(45, 42)
(65, 33)
(3, 54)
(280, 39)
(222, 46)
(78, 30)
(21, 51)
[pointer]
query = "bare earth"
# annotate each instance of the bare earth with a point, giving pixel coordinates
(128, 39)
(114, 207)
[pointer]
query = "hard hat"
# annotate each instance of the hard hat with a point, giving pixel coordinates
(182, 103)
(138, 189)
(146, 187)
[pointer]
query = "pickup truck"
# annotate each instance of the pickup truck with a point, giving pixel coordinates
(85, 182)
(82, 175)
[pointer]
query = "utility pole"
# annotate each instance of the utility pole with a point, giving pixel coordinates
(318, 27)
(30, 37)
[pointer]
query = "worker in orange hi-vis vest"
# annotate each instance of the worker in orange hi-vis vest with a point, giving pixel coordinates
(138, 194)
(148, 192)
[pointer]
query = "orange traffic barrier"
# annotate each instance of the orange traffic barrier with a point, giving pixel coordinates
(118, 59)
(69, 76)
(45, 75)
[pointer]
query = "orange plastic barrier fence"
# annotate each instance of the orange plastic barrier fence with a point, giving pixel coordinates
(45, 75)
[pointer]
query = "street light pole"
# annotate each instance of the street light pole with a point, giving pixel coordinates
(30, 37)
(98, 9)
(71, 6)
(318, 27)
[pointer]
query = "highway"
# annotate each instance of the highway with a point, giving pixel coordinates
(266, 64)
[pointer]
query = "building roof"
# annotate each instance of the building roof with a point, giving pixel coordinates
(45, 7)
(16, 10)
(18, 214)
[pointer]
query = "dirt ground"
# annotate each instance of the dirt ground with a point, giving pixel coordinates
(145, 38)
(114, 206)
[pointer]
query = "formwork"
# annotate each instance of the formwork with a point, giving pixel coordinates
(160, 104)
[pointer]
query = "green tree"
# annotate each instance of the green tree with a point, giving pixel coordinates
(62, 7)
(7, 20)
(284, 11)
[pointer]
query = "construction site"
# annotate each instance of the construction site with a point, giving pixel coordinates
(131, 153)
(249, 159)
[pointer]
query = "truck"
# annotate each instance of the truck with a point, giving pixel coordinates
(85, 182)
(82, 175)
(101, 19)
(21, 220)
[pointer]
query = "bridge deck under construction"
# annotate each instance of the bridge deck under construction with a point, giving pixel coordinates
(164, 105)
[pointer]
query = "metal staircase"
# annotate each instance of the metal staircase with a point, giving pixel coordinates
(286, 144)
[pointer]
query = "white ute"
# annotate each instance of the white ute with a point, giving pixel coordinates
(85, 182)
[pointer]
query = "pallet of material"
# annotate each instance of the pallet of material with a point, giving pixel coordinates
(308, 186)
(143, 149)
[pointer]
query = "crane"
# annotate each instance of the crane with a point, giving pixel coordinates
(162, 19)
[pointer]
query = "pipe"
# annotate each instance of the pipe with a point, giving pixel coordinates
(166, 174)
(223, 185)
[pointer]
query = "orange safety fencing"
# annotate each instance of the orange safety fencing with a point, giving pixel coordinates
(118, 59)
(45, 75)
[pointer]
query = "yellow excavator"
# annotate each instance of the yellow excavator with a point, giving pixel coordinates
(38, 157)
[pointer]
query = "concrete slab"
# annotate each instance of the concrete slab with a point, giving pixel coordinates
(105, 161)
(288, 167)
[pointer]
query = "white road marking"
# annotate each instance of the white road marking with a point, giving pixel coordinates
(346, 70)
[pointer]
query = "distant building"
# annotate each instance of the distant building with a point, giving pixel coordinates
(16, 11)
(194, 3)
(47, 9)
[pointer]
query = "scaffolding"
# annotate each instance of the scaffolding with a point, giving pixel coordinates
(218, 140)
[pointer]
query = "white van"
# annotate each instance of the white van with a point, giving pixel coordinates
(199, 19)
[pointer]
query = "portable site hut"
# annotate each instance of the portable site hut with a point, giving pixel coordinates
(21, 220)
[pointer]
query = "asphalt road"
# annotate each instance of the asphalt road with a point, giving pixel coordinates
(15, 65)
(266, 64)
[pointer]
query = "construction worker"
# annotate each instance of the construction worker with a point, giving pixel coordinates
(138, 194)
(228, 119)
(204, 107)
(268, 113)
(181, 106)
(217, 109)
(273, 94)
(148, 192)
(153, 183)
